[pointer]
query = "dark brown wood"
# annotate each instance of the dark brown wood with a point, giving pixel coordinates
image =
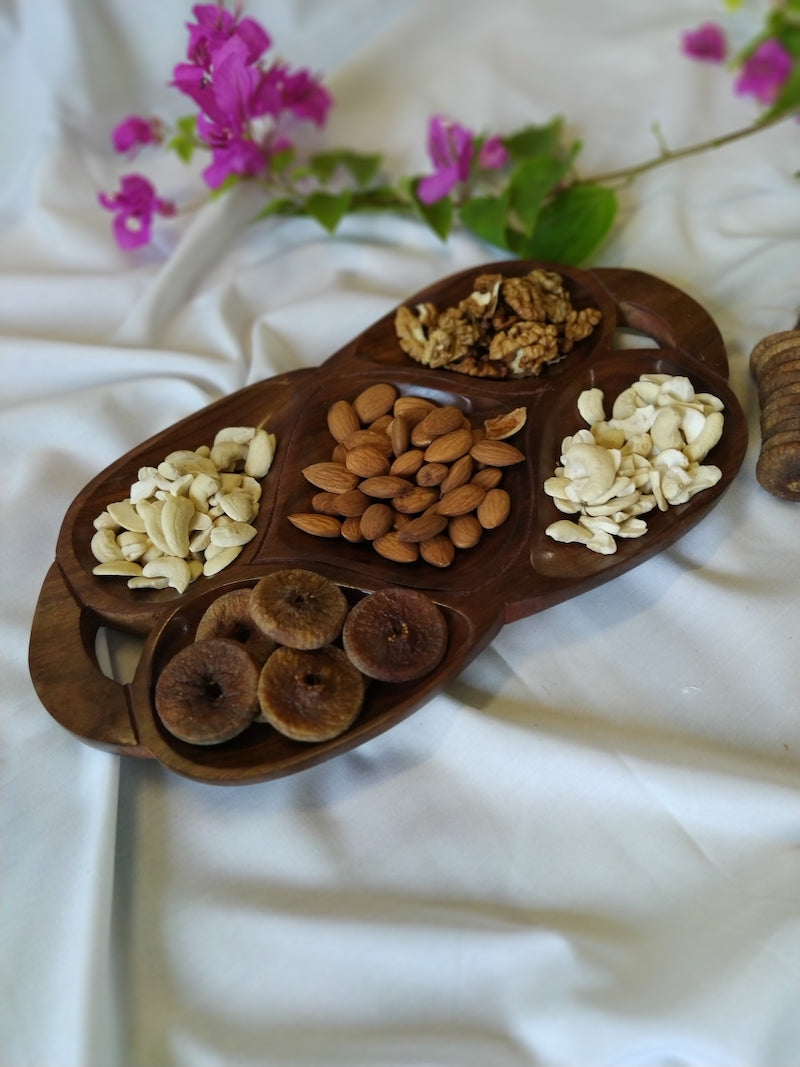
(515, 571)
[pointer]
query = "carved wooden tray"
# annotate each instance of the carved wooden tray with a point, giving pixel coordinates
(514, 572)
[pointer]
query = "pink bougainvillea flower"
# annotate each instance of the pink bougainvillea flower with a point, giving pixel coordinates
(134, 206)
(765, 71)
(237, 156)
(450, 147)
(214, 27)
(304, 96)
(135, 131)
(493, 154)
(706, 43)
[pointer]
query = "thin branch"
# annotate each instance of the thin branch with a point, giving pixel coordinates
(667, 155)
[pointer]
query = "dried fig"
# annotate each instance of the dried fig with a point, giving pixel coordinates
(395, 635)
(229, 616)
(299, 608)
(208, 692)
(310, 694)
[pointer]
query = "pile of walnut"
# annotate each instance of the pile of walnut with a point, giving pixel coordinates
(508, 327)
(189, 516)
(413, 478)
(647, 455)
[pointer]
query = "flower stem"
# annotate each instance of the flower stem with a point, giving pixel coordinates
(627, 174)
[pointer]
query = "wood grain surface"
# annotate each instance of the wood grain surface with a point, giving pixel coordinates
(515, 571)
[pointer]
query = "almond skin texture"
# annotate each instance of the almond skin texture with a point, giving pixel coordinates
(370, 437)
(331, 477)
(432, 474)
(408, 463)
(493, 509)
(496, 453)
(318, 525)
(464, 531)
(391, 547)
(442, 420)
(376, 521)
(488, 478)
(439, 551)
(415, 500)
(374, 401)
(423, 527)
(384, 486)
(366, 461)
(461, 501)
(459, 473)
(449, 447)
(342, 420)
(413, 408)
(351, 503)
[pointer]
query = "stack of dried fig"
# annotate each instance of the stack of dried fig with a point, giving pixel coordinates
(775, 365)
(413, 478)
(293, 653)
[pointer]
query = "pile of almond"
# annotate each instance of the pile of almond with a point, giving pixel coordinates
(411, 477)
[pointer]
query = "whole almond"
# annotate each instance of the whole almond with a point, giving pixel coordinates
(496, 453)
(459, 473)
(488, 478)
(408, 463)
(461, 500)
(339, 453)
(464, 531)
(352, 503)
(399, 434)
(324, 503)
(493, 509)
(442, 420)
(369, 437)
(374, 401)
(376, 521)
(413, 408)
(432, 473)
(381, 424)
(419, 436)
(342, 420)
(332, 477)
(351, 529)
(414, 500)
(318, 525)
(423, 527)
(385, 486)
(450, 446)
(439, 551)
(391, 547)
(366, 461)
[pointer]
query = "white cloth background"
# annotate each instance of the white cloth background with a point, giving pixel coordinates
(584, 852)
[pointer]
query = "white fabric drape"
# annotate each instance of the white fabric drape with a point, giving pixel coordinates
(584, 852)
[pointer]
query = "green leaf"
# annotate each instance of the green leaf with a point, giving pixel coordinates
(280, 205)
(487, 217)
(184, 141)
(571, 226)
(531, 182)
(282, 160)
(361, 166)
(328, 208)
(439, 215)
(533, 141)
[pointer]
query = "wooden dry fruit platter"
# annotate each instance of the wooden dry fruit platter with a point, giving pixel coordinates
(515, 571)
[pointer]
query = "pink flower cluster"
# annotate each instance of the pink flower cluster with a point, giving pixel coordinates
(764, 72)
(451, 148)
(244, 109)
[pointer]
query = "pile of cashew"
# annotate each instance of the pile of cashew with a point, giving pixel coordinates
(189, 516)
(647, 455)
